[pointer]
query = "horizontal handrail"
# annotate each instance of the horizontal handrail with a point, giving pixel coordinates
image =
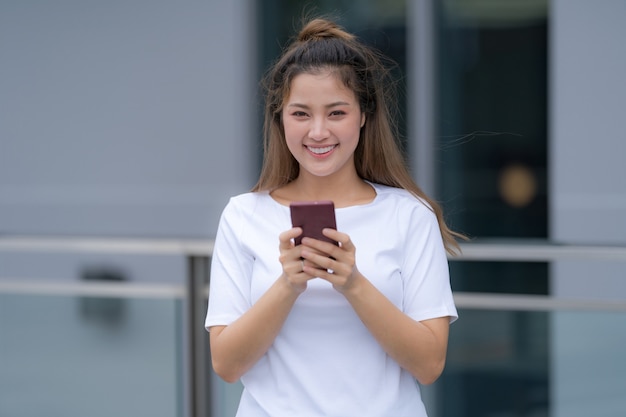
(532, 251)
(184, 247)
(463, 300)
(102, 289)
(510, 250)
(520, 302)
(522, 251)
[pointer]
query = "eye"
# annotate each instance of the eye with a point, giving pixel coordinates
(299, 114)
(337, 113)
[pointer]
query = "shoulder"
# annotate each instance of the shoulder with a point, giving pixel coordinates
(245, 206)
(241, 211)
(247, 202)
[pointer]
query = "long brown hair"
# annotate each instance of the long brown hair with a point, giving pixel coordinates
(323, 46)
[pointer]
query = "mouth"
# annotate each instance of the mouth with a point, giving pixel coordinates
(321, 150)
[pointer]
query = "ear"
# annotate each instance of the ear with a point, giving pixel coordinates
(362, 119)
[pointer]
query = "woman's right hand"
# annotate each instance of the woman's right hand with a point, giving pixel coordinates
(235, 348)
(291, 261)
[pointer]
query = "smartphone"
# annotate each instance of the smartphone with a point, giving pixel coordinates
(312, 217)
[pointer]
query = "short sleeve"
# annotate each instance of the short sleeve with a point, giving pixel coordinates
(231, 265)
(425, 272)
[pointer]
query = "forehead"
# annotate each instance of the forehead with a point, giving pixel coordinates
(318, 86)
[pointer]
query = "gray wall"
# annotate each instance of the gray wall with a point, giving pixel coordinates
(587, 200)
(118, 118)
(126, 118)
(588, 139)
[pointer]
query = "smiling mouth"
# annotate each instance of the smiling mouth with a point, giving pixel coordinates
(321, 151)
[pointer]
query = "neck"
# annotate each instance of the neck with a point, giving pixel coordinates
(345, 191)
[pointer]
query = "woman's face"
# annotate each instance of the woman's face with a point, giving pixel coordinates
(322, 121)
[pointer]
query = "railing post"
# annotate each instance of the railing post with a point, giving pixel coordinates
(198, 363)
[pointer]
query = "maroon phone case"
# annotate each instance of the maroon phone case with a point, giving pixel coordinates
(312, 217)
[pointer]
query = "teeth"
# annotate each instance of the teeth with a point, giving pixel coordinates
(320, 151)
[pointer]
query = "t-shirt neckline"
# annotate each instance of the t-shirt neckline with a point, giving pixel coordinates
(369, 203)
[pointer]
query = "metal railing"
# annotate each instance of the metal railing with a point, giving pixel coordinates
(194, 291)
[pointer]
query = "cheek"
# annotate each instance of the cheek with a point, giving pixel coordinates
(290, 128)
(288, 131)
(292, 136)
(352, 132)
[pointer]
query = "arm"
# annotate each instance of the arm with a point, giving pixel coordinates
(237, 347)
(419, 347)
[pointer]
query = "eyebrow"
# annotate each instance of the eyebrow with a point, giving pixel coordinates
(335, 104)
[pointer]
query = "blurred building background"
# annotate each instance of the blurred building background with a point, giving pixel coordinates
(125, 126)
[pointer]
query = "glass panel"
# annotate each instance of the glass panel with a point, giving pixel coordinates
(588, 367)
(493, 117)
(84, 356)
(492, 149)
(492, 181)
(497, 366)
(60, 265)
(500, 277)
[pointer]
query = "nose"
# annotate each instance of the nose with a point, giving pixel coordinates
(318, 130)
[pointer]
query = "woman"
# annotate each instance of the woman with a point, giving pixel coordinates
(319, 329)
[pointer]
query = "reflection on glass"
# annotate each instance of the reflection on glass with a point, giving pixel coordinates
(500, 277)
(533, 364)
(492, 140)
(493, 117)
(492, 150)
(497, 366)
(89, 356)
(588, 369)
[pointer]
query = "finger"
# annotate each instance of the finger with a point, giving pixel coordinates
(326, 249)
(286, 237)
(342, 238)
(319, 246)
(317, 261)
(326, 272)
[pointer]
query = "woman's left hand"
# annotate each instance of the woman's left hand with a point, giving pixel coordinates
(418, 346)
(335, 264)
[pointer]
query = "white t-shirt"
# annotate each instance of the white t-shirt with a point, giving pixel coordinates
(324, 361)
